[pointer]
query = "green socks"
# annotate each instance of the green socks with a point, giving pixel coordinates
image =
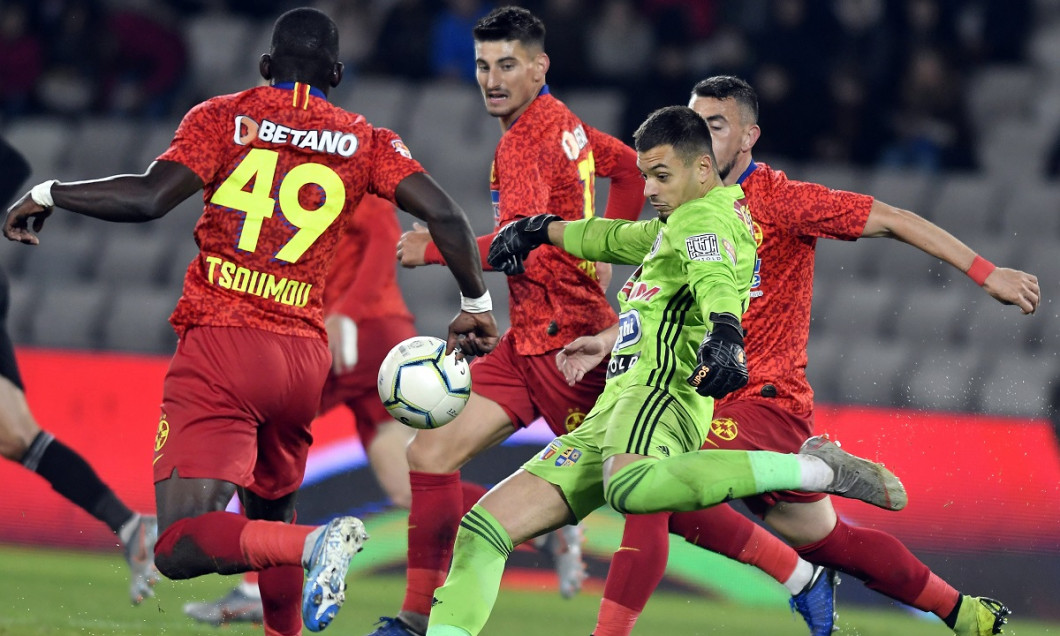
(463, 604)
(692, 481)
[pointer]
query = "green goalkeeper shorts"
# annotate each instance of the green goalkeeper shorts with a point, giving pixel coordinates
(642, 421)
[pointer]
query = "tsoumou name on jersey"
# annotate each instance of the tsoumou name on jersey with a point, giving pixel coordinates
(329, 141)
(228, 275)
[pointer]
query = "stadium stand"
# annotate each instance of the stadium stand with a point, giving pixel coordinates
(68, 316)
(138, 319)
(943, 378)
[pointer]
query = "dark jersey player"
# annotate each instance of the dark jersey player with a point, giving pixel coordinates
(775, 410)
(281, 171)
(23, 441)
(546, 161)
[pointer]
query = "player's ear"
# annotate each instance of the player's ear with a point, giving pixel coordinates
(751, 137)
(336, 73)
(265, 66)
(542, 63)
(706, 168)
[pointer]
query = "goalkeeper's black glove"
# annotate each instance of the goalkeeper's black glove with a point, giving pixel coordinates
(722, 366)
(515, 241)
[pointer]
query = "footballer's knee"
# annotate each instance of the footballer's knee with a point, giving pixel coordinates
(15, 440)
(12, 448)
(802, 523)
(170, 555)
(431, 454)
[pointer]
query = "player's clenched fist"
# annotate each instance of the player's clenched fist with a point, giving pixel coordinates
(515, 241)
(722, 366)
(475, 334)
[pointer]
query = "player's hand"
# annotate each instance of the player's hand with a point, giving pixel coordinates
(473, 334)
(1013, 287)
(21, 216)
(515, 241)
(342, 341)
(581, 356)
(412, 246)
(722, 366)
(604, 272)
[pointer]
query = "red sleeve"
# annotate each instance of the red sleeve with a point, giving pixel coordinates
(391, 163)
(198, 141)
(364, 289)
(821, 211)
(433, 257)
(618, 162)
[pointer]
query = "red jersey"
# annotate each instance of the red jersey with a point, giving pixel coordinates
(362, 281)
(283, 170)
(547, 162)
(789, 217)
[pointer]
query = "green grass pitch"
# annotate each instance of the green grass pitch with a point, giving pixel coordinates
(50, 592)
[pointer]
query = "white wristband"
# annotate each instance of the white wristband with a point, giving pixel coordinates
(42, 194)
(479, 305)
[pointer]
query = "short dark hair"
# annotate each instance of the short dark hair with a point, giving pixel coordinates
(677, 126)
(729, 87)
(510, 23)
(305, 46)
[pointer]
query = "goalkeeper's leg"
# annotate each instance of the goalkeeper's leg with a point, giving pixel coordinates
(519, 508)
(699, 479)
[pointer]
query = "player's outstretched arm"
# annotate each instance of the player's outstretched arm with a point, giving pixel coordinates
(515, 241)
(123, 198)
(582, 355)
(1008, 286)
(474, 329)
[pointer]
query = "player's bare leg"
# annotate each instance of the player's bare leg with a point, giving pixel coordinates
(23, 441)
(17, 426)
(387, 456)
(518, 509)
(482, 425)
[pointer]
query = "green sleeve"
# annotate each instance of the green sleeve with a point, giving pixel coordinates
(717, 282)
(611, 240)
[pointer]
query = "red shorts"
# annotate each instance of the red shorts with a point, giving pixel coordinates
(529, 386)
(759, 425)
(236, 406)
(357, 389)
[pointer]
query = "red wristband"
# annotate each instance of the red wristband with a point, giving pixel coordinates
(432, 255)
(980, 269)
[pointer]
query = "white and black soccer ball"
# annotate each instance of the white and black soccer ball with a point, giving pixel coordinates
(421, 386)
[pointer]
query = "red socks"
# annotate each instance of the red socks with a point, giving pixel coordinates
(227, 543)
(202, 545)
(273, 543)
(723, 530)
(434, 516)
(635, 570)
(884, 564)
(281, 599)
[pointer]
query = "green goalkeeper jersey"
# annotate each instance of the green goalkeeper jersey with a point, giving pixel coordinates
(698, 261)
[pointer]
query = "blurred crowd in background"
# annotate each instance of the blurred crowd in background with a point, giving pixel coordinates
(863, 82)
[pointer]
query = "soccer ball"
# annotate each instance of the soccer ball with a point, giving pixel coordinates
(421, 386)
